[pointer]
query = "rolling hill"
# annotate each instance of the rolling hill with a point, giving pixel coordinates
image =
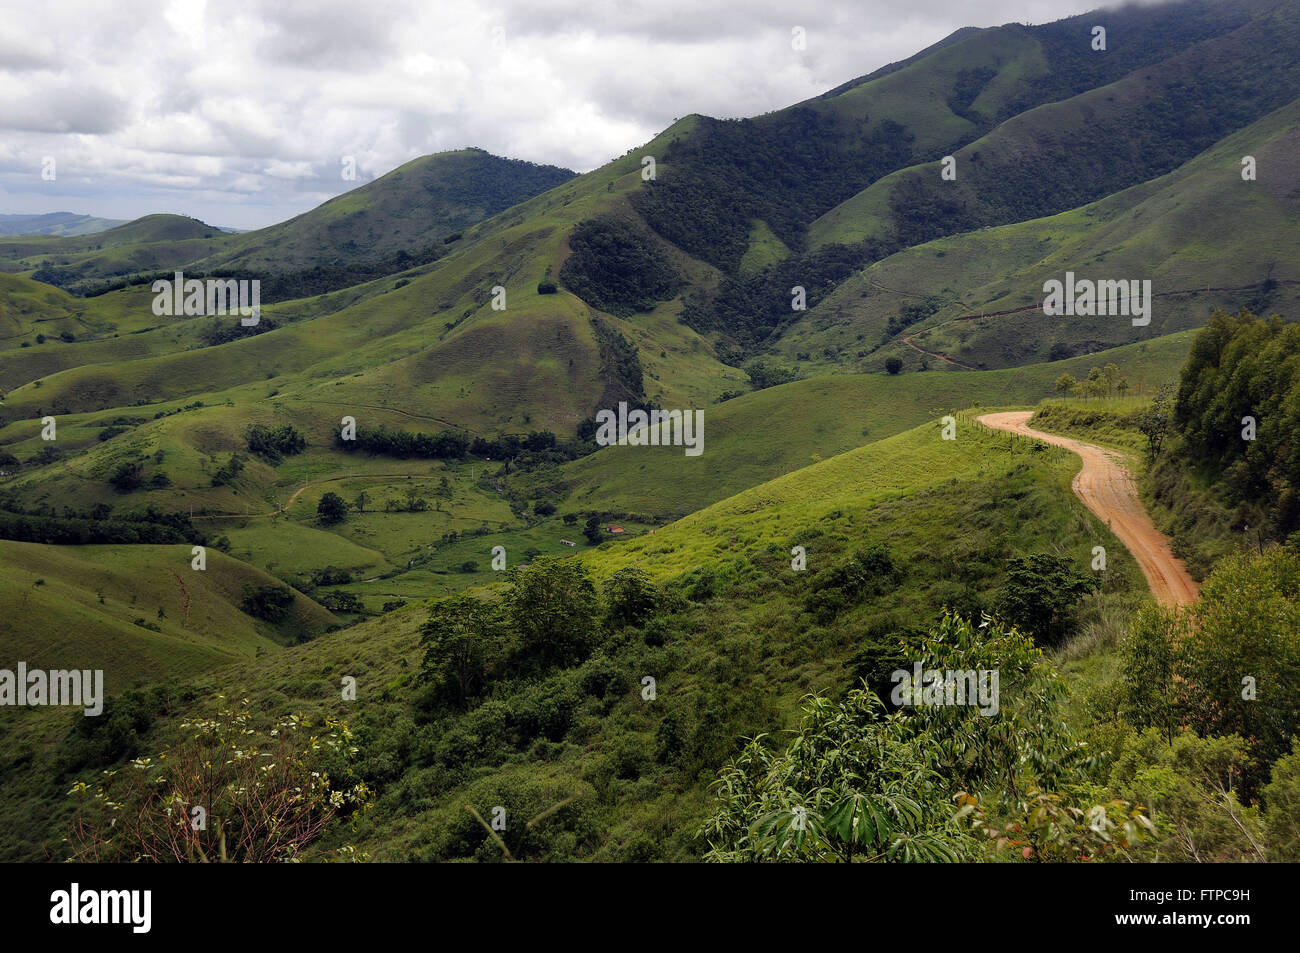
(495, 306)
(55, 223)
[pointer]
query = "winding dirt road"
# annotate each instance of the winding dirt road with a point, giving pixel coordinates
(1106, 487)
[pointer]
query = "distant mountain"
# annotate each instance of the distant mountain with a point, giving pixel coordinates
(402, 218)
(415, 207)
(128, 252)
(511, 302)
(55, 223)
(386, 289)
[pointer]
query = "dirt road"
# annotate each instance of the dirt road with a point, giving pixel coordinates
(1106, 488)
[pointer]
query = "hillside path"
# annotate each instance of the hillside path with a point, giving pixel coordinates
(1106, 487)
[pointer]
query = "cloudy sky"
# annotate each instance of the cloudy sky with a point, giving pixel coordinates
(241, 113)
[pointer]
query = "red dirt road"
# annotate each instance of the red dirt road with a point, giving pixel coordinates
(1106, 487)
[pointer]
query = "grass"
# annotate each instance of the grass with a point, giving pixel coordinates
(1184, 231)
(951, 513)
(765, 249)
(1109, 422)
(758, 436)
(76, 606)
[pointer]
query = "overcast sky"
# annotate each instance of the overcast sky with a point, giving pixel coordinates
(240, 113)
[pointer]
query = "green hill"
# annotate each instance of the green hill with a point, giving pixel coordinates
(55, 223)
(914, 493)
(759, 436)
(98, 607)
(416, 206)
(384, 226)
(1204, 238)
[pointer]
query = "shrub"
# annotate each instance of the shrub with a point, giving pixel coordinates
(1040, 593)
(264, 795)
(269, 603)
(274, 443)
(631, 597)
(331, 509)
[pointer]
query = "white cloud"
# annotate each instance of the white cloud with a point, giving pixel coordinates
(240, 112)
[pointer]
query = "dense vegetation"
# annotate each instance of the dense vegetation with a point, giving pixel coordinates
(620, 369)
(523, 450)
(784, 169)
(659, 674)
(1224, 440)
(100, 526)
(1238, 413)
(750, 308)
(617, 267)
(273, 444)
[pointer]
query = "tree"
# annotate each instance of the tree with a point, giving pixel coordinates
(270, 603)
(342, 602)
(1040, 592)
(331, 509)
(1095, 385)
(893, 365)
(631, 596)
(229, 470)
(1156, 421)
(1065, 384)
(859, 783)
(1282, 807)
(762, 376)
(1238, 656)
(553, 608)
(1148, 699)
(1111, 374)
(592, 530)
(128, 476)
(461, 637)
(363, 498)
(274, 443)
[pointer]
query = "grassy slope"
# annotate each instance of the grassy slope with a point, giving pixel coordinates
(149, 244)
(758, 436)
(748, 440)
(393, 346)
(1037, 138)
(1199, 227)
(416, 205)
(61, 622)
(951, 512)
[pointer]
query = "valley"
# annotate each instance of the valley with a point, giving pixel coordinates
(401, 532)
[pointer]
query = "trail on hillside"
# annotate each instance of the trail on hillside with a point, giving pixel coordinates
(980, 316)
(907, 339)
(1106, 487)
(298, 492)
